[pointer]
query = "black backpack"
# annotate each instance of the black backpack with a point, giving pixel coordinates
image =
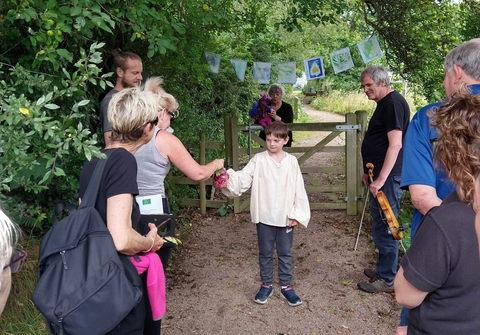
(82, 287)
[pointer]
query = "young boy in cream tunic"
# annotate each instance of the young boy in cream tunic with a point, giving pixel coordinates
(278, 204)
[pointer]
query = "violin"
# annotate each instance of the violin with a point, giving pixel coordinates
(394, 228)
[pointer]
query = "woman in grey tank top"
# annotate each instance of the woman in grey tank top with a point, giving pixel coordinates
(154, 158)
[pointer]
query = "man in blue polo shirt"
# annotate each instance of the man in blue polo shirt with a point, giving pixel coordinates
(428, 186)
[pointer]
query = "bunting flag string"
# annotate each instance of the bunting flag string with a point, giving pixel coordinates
(341, 61)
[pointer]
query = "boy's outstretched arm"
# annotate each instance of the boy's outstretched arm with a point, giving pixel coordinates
(239, 181)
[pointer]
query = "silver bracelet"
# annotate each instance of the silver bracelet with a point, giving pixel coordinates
(153, 243)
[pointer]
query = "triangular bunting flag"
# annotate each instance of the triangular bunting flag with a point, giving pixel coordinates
(287, 72)
(261, 72)
(341, 60)
(369, 49)
(239, 66)
(314, 68)
(213, 61)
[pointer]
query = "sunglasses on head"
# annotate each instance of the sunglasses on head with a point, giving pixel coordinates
(173, 115)
(16, 261)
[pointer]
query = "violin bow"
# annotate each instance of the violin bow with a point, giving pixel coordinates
(361, 219)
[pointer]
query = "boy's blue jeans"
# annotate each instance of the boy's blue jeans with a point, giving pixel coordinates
(387, 246)
(281, 238)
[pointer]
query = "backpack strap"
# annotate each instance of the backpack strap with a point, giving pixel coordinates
(62, 206)
(90, 197)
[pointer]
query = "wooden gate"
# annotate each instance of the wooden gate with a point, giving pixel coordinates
(342, 194)
(345, 193)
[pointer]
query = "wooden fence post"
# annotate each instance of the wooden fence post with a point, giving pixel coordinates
(362, 121)
(295, 108)
(203, 191)
(351, 163)
(231, 151)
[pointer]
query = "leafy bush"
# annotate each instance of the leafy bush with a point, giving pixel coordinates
(45, 134)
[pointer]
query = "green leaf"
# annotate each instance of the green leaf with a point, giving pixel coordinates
(51, 4)
(180, 28)
(51, 106)
(96, 58)
(49, 96)
(46, 177)
(30, 13)
(41, 100)
(88, 154)
(75, 11)
(65, 54)
(59, 172)
(83, 102)
(99, 22)
(79, 22)
(65, 10)
(66, 73)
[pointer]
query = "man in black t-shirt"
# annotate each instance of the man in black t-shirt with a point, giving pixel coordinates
(382, 146)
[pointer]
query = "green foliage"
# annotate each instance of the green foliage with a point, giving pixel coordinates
(344, 102)
(469, 13)
(341, 102)
(50, 84)
(44, 133)
(225, 210)
(413, 49)
(315, 12)
(405, 218)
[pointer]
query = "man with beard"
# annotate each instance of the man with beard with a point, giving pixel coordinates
(128, 68)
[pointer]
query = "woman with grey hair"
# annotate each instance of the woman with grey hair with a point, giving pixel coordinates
(281, 111)
(133, 114)
(11, 259)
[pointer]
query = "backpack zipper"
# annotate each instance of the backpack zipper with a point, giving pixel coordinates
(64, 260)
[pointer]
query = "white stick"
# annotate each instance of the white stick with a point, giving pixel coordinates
(361, 219)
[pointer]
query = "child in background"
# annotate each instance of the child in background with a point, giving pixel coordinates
(260, 111)
(278, 204)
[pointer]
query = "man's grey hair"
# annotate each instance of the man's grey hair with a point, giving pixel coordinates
(378, 74)
(467, 57)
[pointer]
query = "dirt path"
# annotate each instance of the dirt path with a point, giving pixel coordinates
(216, 276)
